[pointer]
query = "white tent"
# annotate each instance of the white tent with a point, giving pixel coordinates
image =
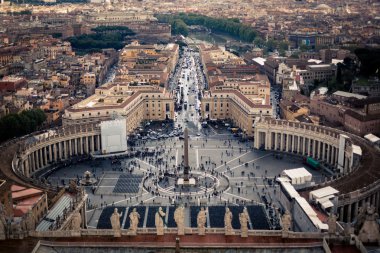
(322, 193)
(298, 176)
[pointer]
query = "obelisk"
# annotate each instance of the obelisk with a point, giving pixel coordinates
(186, 157)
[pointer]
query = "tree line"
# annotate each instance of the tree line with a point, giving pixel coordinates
(232, 27)
(18, 124)
(104, 37)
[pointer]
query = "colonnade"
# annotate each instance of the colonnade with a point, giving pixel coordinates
(303, 145)
(322, 144)
(348, 211)
(299, 139)
(58, 148)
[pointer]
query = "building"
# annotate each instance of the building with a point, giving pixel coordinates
(132, 102)
(241, 101)
(11, 83)
(151, 64)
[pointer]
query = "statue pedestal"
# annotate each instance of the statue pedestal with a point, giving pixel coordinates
(181, 231)
(244, 233)
(160, 231)
(117, 233)
(201, 231)
(189, 182)
(132, 232)
(228, 231)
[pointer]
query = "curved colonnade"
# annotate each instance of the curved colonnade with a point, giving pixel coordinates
(319, 142)
(56, 145)
(358, 179)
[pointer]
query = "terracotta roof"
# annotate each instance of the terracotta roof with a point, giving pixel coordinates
(25, 193)
(15, 188)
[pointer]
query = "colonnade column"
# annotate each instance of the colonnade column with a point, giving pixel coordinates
(81, 145)
(40, 159)
(349, 213)
(92, 143)
(75, 146)
(304, 145)
(299, 144)
(33, 161)
(318, 149)
(46, 156)
(27, 166)
(51, 153)
(275, 141)
(99, 146)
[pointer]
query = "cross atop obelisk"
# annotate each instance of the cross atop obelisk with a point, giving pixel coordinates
(186, 156)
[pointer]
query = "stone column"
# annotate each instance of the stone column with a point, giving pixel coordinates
(54, 152)
(40, 158)
(60, 149)
(92, 143)
(341, 213)
(349, 213)
(64, 150)
(304, 145)
(27, 166)
(270, 140)
(256, 141)
(75, 146)
(71, 147)
(46, 156)
(275, 140)
(298, 144)
(81, 145)
(86, 144)
(51, 153)
(266, 139)
(34, 167)
(281, 141)
(318, 149)
(356, 209)
(30, 163)
(314, 149)
(332, 155)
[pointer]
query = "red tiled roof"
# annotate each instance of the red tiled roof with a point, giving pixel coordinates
(26, 194)
(15, 188)
(29, 201)
(20, 211)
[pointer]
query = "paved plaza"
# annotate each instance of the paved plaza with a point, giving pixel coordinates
(244, 175)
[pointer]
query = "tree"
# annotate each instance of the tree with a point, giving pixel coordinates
(14, 125)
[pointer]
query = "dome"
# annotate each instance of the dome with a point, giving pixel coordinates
(323, 7)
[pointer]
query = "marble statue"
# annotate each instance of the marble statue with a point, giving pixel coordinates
(370, 231)
(201, 221)
(134, 217)
(286, 221)
(159, 221)
(228, 222)
(243, 218)
(179, 217)
(115, 223)
(76, 221)
(331, 221)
